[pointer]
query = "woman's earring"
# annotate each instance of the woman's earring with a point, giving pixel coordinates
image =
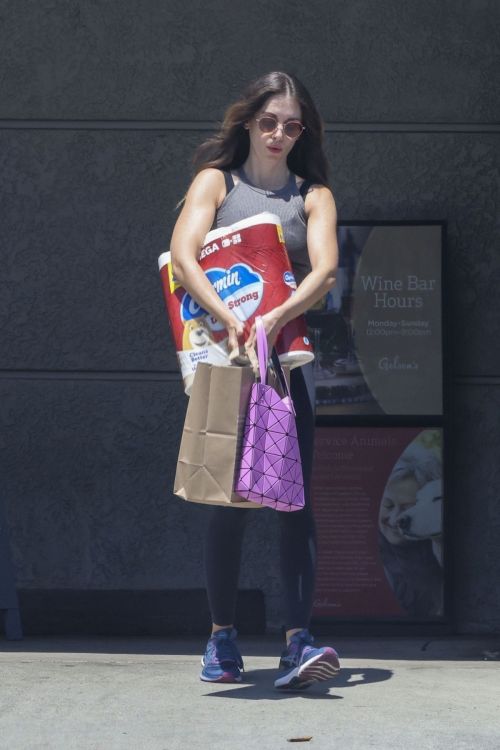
(246, 125)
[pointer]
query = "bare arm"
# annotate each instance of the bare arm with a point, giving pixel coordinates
(323, 254)
(202, 200)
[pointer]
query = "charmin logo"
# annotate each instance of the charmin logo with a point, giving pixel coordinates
(240, 287)
(224, 283)
(289, 279)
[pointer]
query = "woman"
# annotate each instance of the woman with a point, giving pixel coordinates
(267, 156)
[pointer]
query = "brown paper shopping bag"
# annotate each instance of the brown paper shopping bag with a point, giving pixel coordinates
(211, 439)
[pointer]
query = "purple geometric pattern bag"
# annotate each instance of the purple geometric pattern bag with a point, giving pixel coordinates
(270, 472)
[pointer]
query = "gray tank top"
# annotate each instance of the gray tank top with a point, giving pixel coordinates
(245, 200)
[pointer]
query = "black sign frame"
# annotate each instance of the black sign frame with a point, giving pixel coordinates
(349, 625)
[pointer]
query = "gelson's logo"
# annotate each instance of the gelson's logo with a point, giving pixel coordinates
(240, 287)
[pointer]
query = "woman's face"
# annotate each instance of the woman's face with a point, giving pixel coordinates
(274, 147)
(399, 495)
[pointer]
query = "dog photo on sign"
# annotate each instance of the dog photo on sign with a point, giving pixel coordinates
(411, 527)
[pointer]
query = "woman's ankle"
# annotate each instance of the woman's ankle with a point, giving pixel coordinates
(216, 628)
(290, 633)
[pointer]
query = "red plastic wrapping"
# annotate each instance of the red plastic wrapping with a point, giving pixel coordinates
(249, 268)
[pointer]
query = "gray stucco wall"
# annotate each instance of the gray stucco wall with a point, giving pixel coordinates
(101, 105)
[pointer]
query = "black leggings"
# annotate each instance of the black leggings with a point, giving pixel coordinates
(226, 528)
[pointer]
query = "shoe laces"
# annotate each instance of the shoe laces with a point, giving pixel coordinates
(291, 656)
(222, 648)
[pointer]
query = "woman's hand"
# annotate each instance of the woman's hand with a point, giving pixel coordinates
(234, 328)
(272, 325)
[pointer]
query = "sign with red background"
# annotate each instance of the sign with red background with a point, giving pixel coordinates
(362, 572)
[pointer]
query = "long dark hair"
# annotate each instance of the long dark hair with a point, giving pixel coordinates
(229, 148)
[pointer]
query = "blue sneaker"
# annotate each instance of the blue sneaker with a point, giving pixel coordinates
(222, 660)
(302, 664)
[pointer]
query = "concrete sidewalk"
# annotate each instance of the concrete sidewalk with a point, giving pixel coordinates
(144, 694)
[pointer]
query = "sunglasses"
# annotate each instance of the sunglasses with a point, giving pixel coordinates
(269, 124)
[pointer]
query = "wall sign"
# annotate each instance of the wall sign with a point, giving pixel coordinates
(378, 503)
(377, 334)
(378, 480)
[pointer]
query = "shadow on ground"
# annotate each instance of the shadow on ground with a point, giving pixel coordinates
(258, 685)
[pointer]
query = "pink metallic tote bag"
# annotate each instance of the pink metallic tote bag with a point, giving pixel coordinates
(270, 472)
